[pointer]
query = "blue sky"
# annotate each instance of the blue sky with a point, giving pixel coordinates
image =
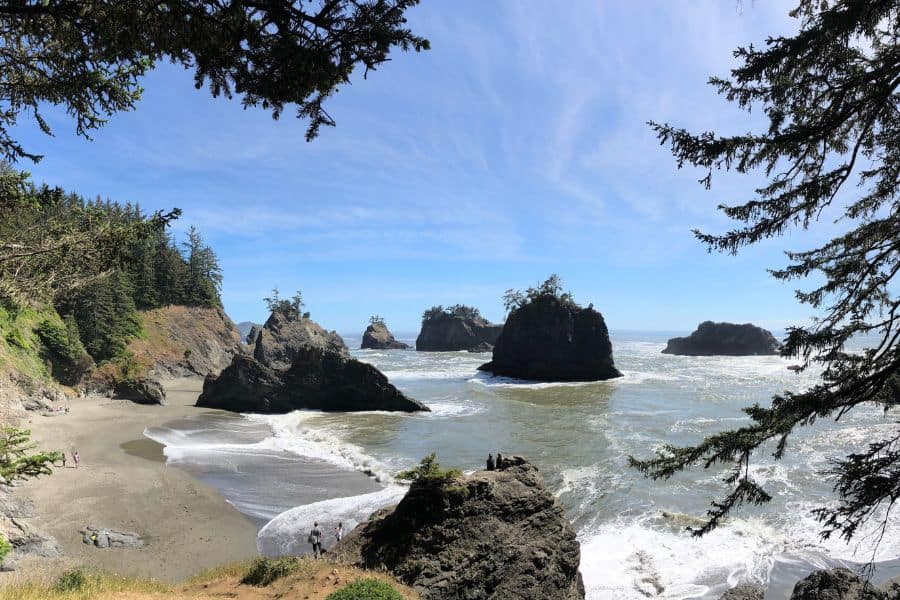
(515, 148)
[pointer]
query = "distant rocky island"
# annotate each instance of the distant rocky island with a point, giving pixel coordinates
(548, 337)
(724, 339)
(378, 337)
(458, 327)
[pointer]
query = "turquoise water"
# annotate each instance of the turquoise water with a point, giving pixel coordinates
(632, 530)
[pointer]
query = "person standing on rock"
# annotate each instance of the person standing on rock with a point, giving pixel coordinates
(339, 531)
(490, 462)
(315, 538)
(499, 461)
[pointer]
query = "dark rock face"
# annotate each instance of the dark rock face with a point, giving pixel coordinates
(448, 334)
(482, 347)
(379, 337)
(835, 584)
(317, 379)
(283, 336)
(142, 391)
(744, 592)
(725, 339)
(492, 534)
(552, 340)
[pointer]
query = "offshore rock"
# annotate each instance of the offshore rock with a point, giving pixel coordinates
(283, 336)
(724, 339)
(317, 379)
(378, 337)
(491, 534)
(550, 339)
(836, 584)
(449, 333)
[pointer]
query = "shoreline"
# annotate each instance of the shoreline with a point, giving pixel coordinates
(124, 483)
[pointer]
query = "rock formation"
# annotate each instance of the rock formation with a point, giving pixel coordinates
(102, 537)
(744, 592)
(378, 337)
(142, 391)
(244, 328)
(492, 534)
(553, 339)
(836, 584)
(317, 379)
(448, 333)
(726, 339)
(284, 335)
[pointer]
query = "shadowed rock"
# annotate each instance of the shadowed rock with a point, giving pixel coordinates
(725, 339)
(284, 335)
(449, 333)
(142, 391)
(378, 337)
(836, 584)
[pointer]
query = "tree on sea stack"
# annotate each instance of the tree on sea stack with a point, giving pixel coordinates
(832, 147)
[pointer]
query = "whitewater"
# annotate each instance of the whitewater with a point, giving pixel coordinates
(286, 471)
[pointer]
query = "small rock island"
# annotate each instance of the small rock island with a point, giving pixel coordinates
(724, 339)
(548, 337)
(458, 327)
(378, 337)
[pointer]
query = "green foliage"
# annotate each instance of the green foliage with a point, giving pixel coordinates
(5, 548)
(429, 473)
(292, 309)
(16, 457)
(831, 148)
(456, 311)
(376, 320)
(14, 337)
(71, 581)
(264, 571)
(366, 589)
(63, 348)
(89, 57)
(551, 288)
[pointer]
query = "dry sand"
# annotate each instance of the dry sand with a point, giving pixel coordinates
(123, 483)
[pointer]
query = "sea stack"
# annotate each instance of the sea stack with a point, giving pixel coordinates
(458, 327)
(378, 337)
(550, 338)
(491, 534)
(285, 332)
(724, 339)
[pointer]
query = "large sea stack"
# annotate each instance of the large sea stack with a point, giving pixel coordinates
(378, 337)
(724, 339)
(285, 332)
(550, 338)
(491, 534)
(455, 328)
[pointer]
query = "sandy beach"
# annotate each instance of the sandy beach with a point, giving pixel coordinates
(123, 483)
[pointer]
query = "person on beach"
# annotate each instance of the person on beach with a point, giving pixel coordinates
(63, 459)
(76, 457)
(315, 538)
(490, 462)
(499, 461)
(339, 531)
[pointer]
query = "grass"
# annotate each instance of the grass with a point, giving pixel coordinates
(264, 571)
(366, 589)
(79, 584)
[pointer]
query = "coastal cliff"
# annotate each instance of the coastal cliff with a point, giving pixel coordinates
(724, 339)
(492, 534)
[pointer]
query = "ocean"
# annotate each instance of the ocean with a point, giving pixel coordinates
(286, 471)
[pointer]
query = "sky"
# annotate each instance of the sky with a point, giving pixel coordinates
(517, 147)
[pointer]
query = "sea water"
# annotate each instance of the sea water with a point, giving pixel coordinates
(286, 471)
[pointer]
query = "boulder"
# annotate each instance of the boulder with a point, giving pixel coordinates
(835, 584)
(102, 537)
(448, 333)
(482, 347)
(745, 592)
(142, 391)
(491, 534)
(317, 379)
(284, 334)
(553, 339)
(378, 337)
(725, 339)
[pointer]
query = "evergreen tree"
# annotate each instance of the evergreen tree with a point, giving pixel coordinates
(832, 146)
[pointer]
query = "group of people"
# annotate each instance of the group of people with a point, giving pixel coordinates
(316, 536)
(498, 465)
(76, 458)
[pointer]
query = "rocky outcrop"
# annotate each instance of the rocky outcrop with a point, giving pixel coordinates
(551, 339)
(15, 526)
(744, 592)
(836, 584)
(101, 537)
(317, 379)
(482, 347)
(142, 391)
(284, 335)
(725, 339)
(244, 328)
(491, 534)
(448, 333)
(378, 337)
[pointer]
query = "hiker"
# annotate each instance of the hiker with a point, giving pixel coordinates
(499, 461)
(339, 531)
(76, 457)
(63, 459)
(490, 462)
(315, 538)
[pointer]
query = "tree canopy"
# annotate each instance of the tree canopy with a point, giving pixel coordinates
(456, 311)
(832, 145)
(89, 57)
(549, 288)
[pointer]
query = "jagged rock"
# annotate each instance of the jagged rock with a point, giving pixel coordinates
(448, 333)
(284, 335)
(36, 404)
(491, 534)
(142, 391)
(836, 584)
(725, 339)
(102, 537)
(25, 539)
(378, 337)
(550, 339)
(744, 592)
(244, 329)
(482, 347)
(317, 379)
(253, 335)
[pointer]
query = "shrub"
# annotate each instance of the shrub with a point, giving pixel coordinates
(5, 548)
(71, 581)
(366, 589)
(264, 571)
(429, 472)
(15, 338)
